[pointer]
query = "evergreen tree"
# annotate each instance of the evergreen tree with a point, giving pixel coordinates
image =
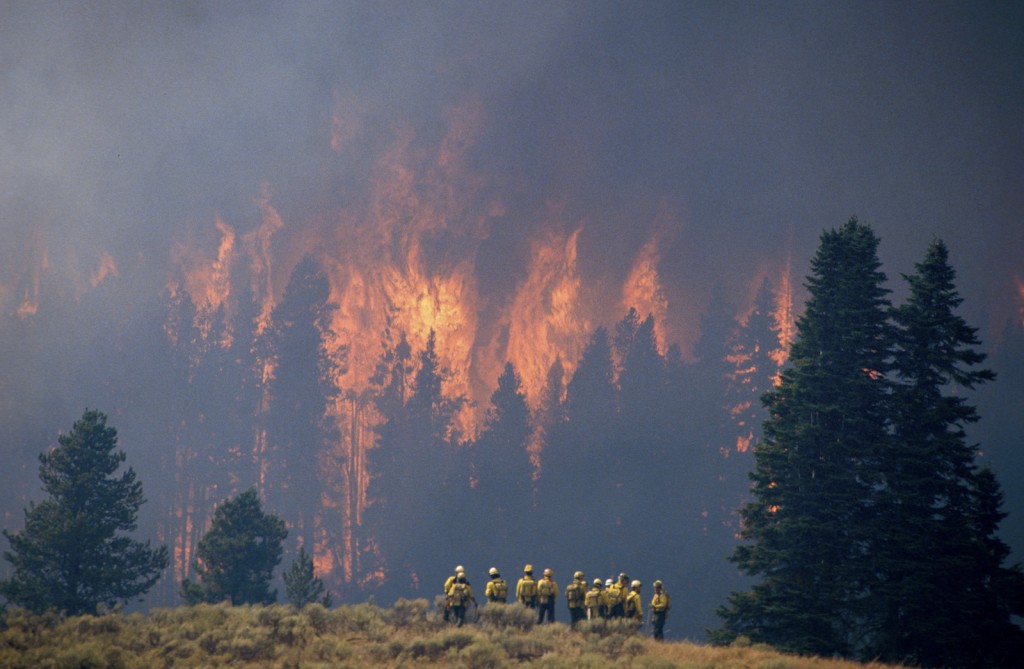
(74, 552)
(415, 480)
(302, 390)
(237, 556)
(579, 462)
(503, 469)
(943, 591)
(809, 526)
(301, 584)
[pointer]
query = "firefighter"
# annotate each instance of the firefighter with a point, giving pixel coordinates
(575, 596)
(497, 589)
(617, 592)
(596, 601)
(660, 606)
(526, 589)
(634, 609)
(459, 598)
(547, 591)
(448, 586)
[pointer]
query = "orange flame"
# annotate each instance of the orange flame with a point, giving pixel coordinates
(644, 291)
(544, 318)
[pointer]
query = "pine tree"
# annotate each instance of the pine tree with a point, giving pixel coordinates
(302, 390)
(74, 552)
(502, 463)
(238, 554)
(808, 528)
(943, 590)
(301, 584)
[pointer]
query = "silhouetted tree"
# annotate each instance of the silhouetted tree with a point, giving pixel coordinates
(414, 464)
(301, 584)
(237, 556)
(503, 497)
(808, 529)
(945, 596)
(302, 390)
(579, 458)
(74, 552)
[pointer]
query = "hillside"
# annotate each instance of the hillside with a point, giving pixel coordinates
(364, 635)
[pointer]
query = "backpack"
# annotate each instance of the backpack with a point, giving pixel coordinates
(458, 594)
(529, 589)
(614, 595)
(574, 595)
(592, 600)
(545, 588)
(499, 589)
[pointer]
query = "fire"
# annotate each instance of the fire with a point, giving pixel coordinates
(784, 315)
(644, 292)
(544, 319)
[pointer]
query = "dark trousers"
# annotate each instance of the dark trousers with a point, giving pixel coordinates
(577, 614)
(548, 608)
(658, 621)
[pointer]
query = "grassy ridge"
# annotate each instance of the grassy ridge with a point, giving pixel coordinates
(364, 635)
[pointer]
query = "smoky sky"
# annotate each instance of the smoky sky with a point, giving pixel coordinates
(734, 132)
(757, 126)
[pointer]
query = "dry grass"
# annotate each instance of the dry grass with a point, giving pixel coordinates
(405, 635)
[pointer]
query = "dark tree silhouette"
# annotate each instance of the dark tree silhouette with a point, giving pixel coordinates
(416, 478)
(237, 556)
(303, 388)
(945, 595)
(503, 497)
(808, 528)
(578, 464)
(74, 552)
(301, 584)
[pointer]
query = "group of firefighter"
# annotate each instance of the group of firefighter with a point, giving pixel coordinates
(611, 599)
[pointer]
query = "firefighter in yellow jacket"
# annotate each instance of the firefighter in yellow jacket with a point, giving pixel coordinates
(634, 609)
(459, 598)
(497, 589)
(660, 606)
(547, 591)
(596, 601)
(526, 589)
(575, 597)
(448, 588)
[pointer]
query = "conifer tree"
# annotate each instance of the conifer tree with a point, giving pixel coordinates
(74, 552)
(302, 390)
(943, 593)
(238, 554)
(301, 584)
(502, 463)
(808, 527)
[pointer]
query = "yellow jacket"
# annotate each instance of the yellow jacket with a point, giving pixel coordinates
(634, 607)
(661, 602)
(546, 589)
(526, 590)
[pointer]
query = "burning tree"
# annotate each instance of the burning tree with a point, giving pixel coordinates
(74, 552)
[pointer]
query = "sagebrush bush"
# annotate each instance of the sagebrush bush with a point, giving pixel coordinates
(482, 654)
(409, 613)
(508, 616)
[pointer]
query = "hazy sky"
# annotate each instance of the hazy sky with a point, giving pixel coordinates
(748, 127)
(729, 134)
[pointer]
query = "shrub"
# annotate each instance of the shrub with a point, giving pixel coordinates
(484, 654)
(508, 616)
(318, 616)
(411, 613)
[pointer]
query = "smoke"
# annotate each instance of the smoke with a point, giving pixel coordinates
(665, 153)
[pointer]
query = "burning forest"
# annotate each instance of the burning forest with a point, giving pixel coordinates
(473, 287)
